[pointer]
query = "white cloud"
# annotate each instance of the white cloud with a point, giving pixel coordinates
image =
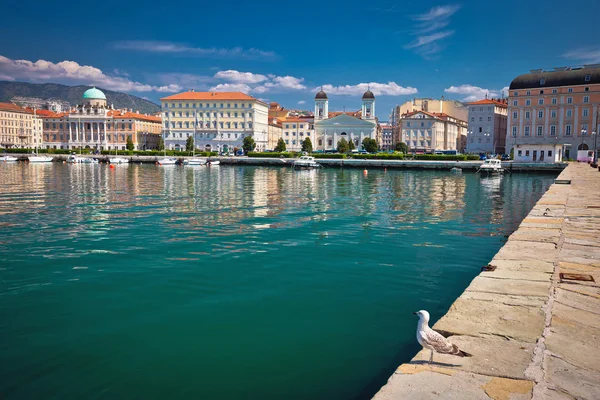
(152, 46)
(240, 77)
(438, 12)
(584, 55)
(301, 102)
(72, 72)
(474, 93)
(231, 87)
(427, 30)
(378, 89)
(423, 40)
(289, 82)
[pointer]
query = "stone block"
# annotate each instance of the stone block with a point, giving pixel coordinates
(509, 286)
(578, 382)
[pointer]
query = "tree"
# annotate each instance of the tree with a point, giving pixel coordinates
(280, 146)
(161, 144)
(369, 145)
(402, 147)
(307, 145)
(351, 145)
(342, 146)
(189, 144)
(248, 144)
(129, 143)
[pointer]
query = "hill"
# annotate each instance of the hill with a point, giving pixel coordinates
(72, 95)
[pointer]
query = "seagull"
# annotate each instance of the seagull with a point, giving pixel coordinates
(430, 339)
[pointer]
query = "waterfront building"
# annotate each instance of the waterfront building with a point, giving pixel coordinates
(558, 106)
(487, 126)
(355, 126)
(94, 125)
(453, 108)
(275, 133)
(19, 127)
(386, 137)
(426, 132)
(548, 152)
(296, 130)
(219, 121)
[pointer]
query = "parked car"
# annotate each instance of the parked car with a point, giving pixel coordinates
(505, 157)
(482, 157)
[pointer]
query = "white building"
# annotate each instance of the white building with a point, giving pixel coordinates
(387, 137)
(295, 130)
(487, 126)
(549, 153)
(218, 121)
(330, 128)
(425, 132)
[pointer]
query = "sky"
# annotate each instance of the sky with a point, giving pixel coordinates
(285, 52)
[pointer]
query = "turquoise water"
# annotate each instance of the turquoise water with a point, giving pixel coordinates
(233, 282)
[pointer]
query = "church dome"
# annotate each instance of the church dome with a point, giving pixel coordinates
(94, 94)
(368, 95)
(321, 95)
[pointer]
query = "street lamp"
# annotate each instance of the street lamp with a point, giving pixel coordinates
(595, 158)
(583, 133)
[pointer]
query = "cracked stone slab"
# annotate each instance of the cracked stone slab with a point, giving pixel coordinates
(518, 250)
(511, 362)
(414, 382)
(576, 315)
(575, 342)
(578, 300)
(517, 287)
(477, 317)
(523, 265)
(509, 300)
(517, 275)
(536, 235)
(576, 382)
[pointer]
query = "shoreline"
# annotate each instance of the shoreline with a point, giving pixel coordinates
(528, 320)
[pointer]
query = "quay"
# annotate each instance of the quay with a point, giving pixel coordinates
(343, 163)
(531, 319)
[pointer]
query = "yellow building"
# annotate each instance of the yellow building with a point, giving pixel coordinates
(19, 127)
(218, 121)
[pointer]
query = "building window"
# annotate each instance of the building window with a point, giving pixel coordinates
(586, 99)
(541, 92)
(554, 101)
(472, 119)
(514, 131)
(539, 130)
(552, 130)
(568, 130)
(528, 93)
(480, 129)
(489, 119)
(526, 153)
(586, 112)
(520, 153)
(569, 113)
(542, 81)
(549, 153)
(588, 77)
(515, 102)
(540, 102)
(515, 93)
(480, 119)
(515, 115)
(526, 131)
(570, 90)
(540, 114)
(527, 114)
(527, 102)
(553, 113)
(554, 91)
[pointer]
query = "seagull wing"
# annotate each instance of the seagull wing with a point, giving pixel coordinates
(440, 344)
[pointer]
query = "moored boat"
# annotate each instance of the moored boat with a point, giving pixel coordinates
(118, 160)
(491, 166)
(167, 161)
(35, 158)
(306, 162)
(195, 161)
(7, 158)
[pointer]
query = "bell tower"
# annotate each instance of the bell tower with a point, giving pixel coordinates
(368, 105)
(321, 106)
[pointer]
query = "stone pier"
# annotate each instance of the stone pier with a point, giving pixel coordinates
(532, 321)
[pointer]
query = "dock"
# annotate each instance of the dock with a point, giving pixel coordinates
(531, 318)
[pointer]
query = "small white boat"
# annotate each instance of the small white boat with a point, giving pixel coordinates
(167, 161)
(87, 160)
(306, 162)
(195, 161)
(213, 162)
(492, 166)
(34, 158)
(118, 160)
(72, 159)
(8, 159)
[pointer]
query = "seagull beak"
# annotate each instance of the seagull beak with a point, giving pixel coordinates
(414, 313)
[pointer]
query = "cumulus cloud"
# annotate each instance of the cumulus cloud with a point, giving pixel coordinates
(428, 32)
(72, 72)
(584, 55)
(152, 46)
(258, 83)
(378, 89)
(301, 102)
(474, 93)
(231, 87)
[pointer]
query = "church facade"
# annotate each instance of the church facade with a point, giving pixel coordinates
(332, 127)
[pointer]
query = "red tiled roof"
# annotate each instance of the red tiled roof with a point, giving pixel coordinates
(209, 96)
(489, 101)
(48, 114)
(132, 115)
(297, 119)
(14, 108)
(356, 114)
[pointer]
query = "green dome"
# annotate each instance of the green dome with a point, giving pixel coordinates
(94, 94)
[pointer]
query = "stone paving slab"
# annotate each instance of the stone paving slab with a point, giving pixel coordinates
(531, 335)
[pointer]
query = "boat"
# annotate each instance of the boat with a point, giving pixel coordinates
(195, 161)
(167, 161)
(118, 160)
(491, 166)
(210, 163)
(35, 158)
(306, 162)
(72, 159)
(7, 158)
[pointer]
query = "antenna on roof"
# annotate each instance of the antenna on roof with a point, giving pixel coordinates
(486, 95)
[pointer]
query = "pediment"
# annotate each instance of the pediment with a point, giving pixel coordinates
(345, 120)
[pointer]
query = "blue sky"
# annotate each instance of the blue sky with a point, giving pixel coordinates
(280, 51)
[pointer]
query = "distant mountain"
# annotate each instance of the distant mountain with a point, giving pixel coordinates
(72, 95)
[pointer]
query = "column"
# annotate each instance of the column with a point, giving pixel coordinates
(546, 126)
(533, 121)
(561, 120)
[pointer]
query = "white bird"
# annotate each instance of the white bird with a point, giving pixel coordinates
(431, 340)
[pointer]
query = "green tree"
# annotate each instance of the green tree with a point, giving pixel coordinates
(189, 144)
(351, 145)
(342, 146)
(248, 144)
(307, 145)
(129, 143)
(369, 145)
(280, 146)
(161, 144)
(402, 147)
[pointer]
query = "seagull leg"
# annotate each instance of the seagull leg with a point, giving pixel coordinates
(431, 357)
